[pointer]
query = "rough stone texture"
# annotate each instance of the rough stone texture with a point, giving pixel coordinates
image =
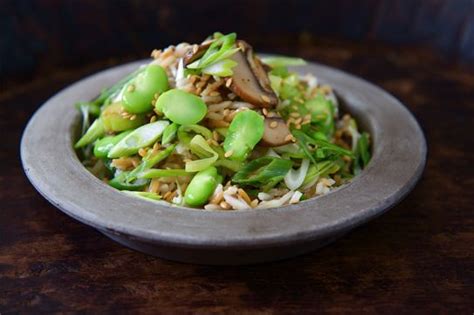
(418, 257)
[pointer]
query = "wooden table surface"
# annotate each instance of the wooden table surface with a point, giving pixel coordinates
(418, 257)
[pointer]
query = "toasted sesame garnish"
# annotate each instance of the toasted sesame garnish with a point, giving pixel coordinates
(131, 88)
(195, 48)
(299, 100)
(288, 138)
(133, 117)
(155, 53)
(229, 153)
(298, 126)
(142, 152)
(214, 93)
(265, 111)
(228, 83)
(326, 89)
(215, 135)
(153, 118)
(295, 114)
(156, 146)
(224, 205)
(265, 98)
(298, 121)
(244, 195)
(273, 124)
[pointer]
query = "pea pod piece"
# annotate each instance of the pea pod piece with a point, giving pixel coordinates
(157, 173)
(120, 182)
(95, 131)
(169, 133)
(115, 120)
(149, 161)
(103, 146)
(245, 131)
(202, 186)
(139, 138)
(138, 95)
(184, 133)
(181, 107)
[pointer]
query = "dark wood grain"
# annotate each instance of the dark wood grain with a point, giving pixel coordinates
(417, 258)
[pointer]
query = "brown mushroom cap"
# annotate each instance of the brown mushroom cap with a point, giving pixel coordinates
(276, 132)
(250, 80)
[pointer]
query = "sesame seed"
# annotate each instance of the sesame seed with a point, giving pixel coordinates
(142, 152)
(228, 83)
(215, 135)
(265, 98)
(288, 137)
(273, 124)
(265, 111)
(229, 153)
(153, 118)
(195, 48)
(254, 203)
(295, 115)
(133, 117)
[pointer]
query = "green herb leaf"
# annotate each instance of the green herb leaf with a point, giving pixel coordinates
(267, 171)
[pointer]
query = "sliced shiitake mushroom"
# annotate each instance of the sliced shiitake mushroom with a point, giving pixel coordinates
(196, 52)
(250, 80)
(276, 132)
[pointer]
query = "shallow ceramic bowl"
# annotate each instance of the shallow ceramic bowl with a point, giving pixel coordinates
(225, 237)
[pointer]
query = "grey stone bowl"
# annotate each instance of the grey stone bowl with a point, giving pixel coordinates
(225, 237)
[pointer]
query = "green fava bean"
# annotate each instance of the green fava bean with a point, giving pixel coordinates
(139, 138)
(103, 146)
(114, 121)
(138, 95)
(245, 131)
(181, 107)
(202, 186)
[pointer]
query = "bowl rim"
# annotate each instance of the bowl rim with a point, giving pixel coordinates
(50, 163)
